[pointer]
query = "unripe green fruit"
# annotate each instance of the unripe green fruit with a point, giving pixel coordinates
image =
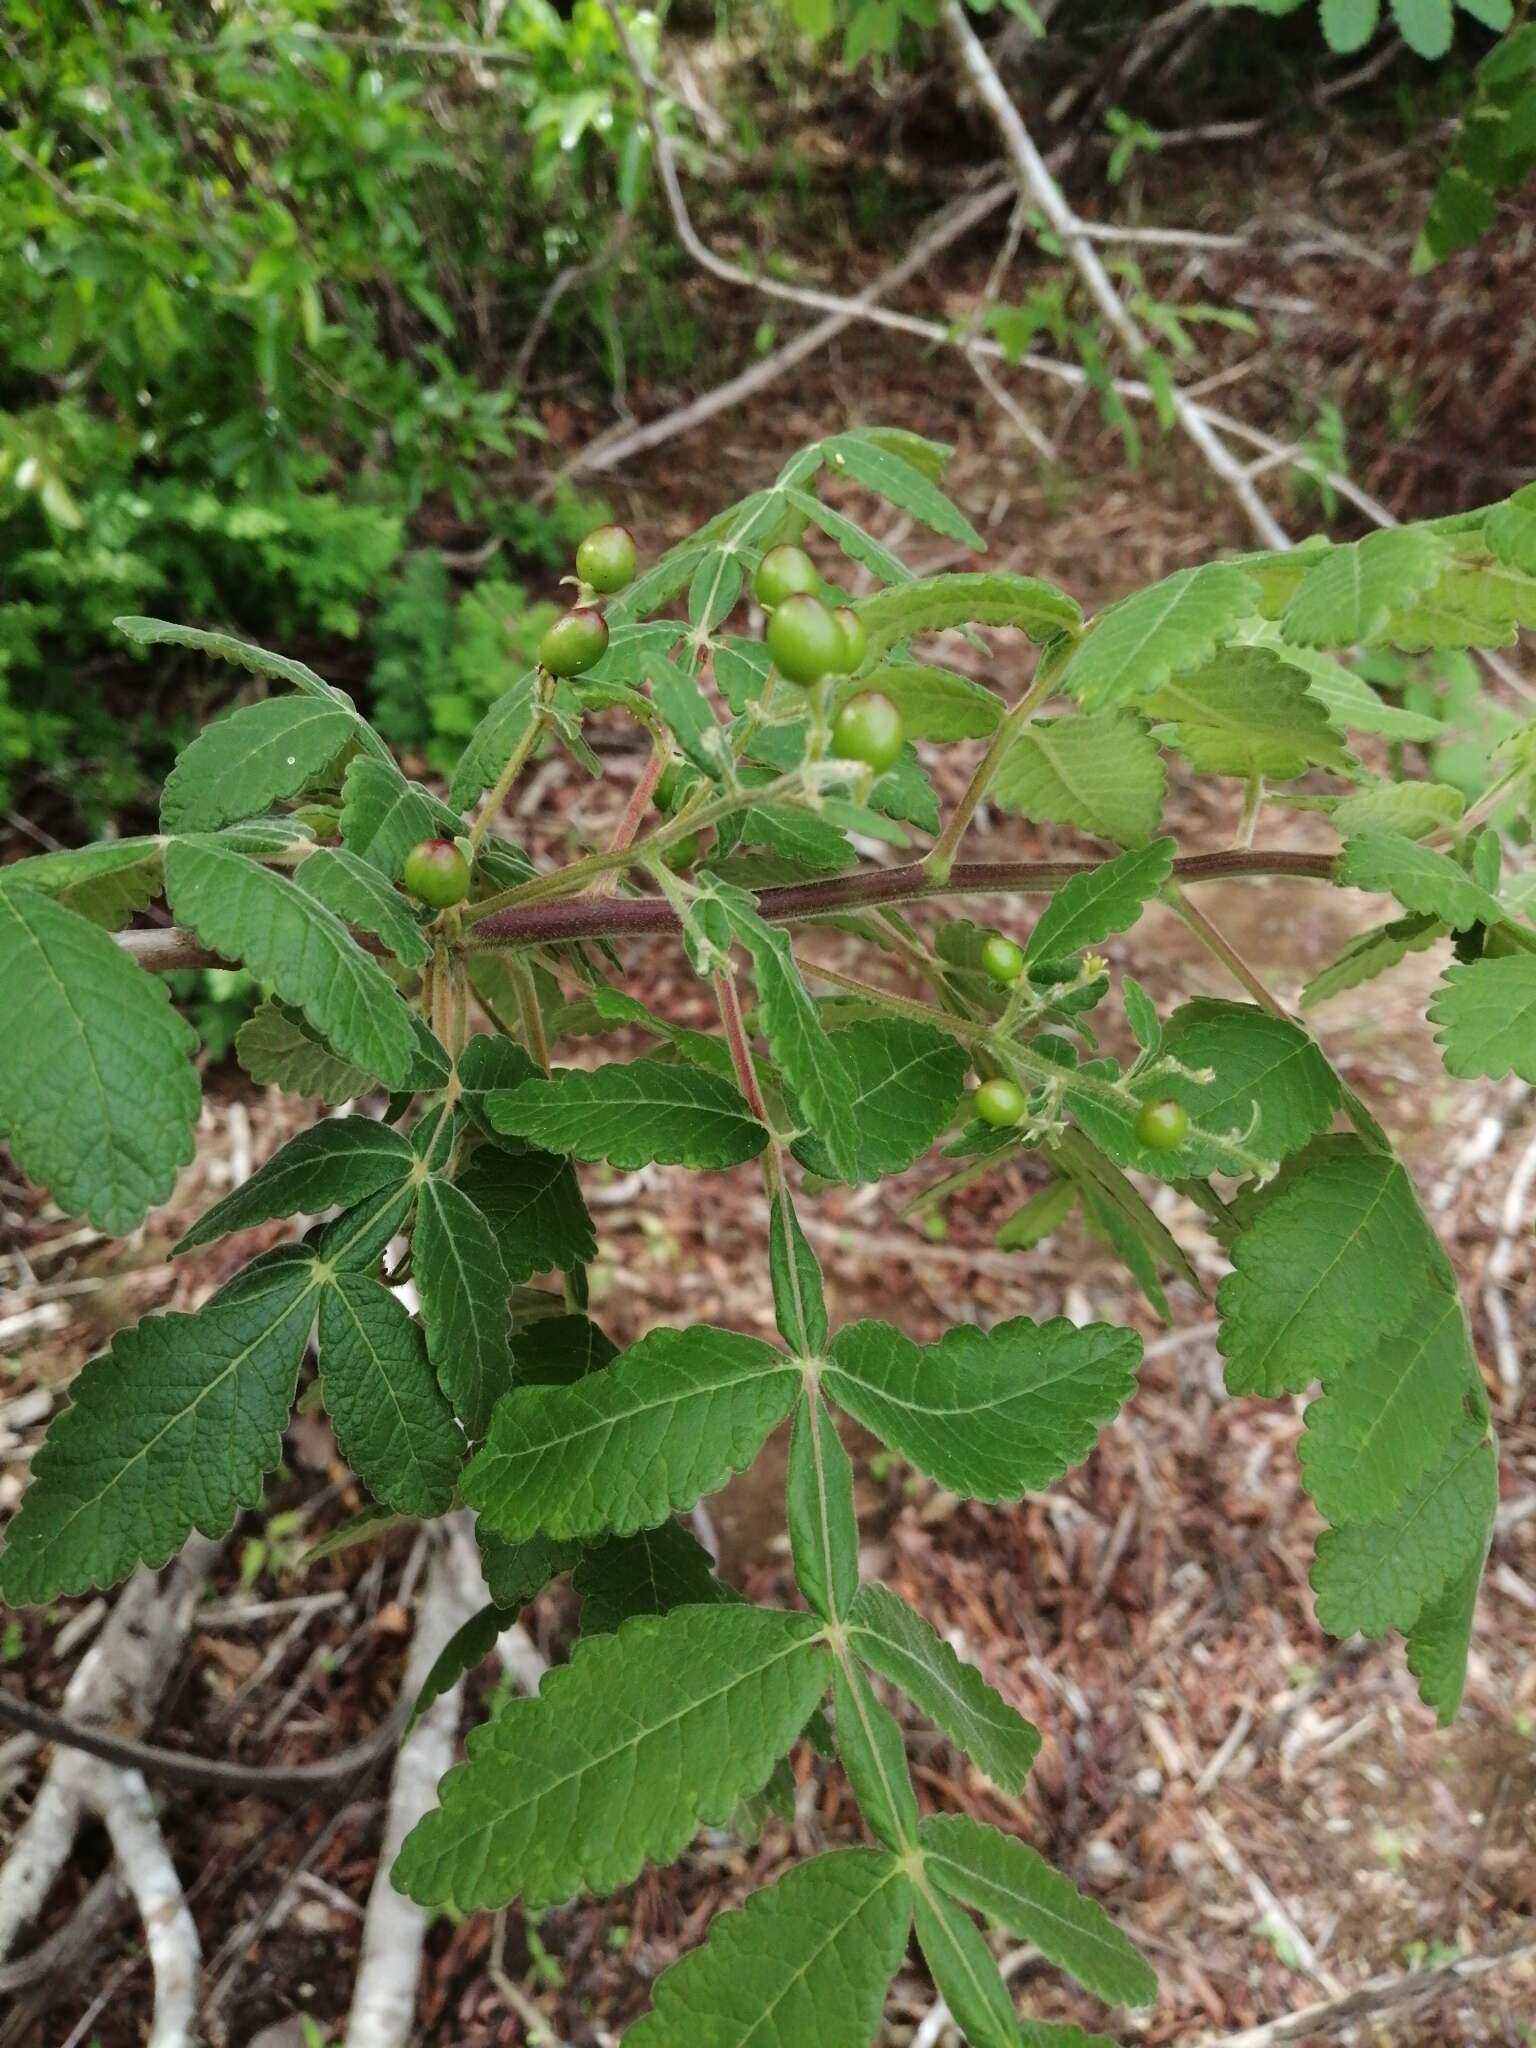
(868, 729)
(785, 571)
(606, 558)
(1162, 1126)
(855, 639)
(436, 873)
(806, 642)
(574, 642)
(1001, 958)
(999, 1103)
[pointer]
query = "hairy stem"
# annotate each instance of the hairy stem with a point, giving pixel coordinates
(941, 857)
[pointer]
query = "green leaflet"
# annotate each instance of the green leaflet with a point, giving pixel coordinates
(633, 1113)
(493, 742)
(277, 1052)
(533, 1203)
(1132, 649)
(108, 884)
(872, 1751)
(1350, 701)
(170, 1430)
(515, 1572)
(642, 1738)
(249, 914)
(1510, 529)
(555, 1350)
(247, 761)
(903, 1082)
(800, 1305)
(1249, 713)
(1440, 1639)
(1261, 1064)
(1100, 770)
(965, 1971)
(688, 714)
(805, 1054)
(98, 1093)
(1347, 597)
(243, 654)
(935, 703)
(1485, 1017)
(1422, 880)
(465, 1293)
(668, 1421)
(932, 604)
(1373, 953)
(359, 895)
(886, 1634)
(356, 1241)
(803, 1964)
(995, 1413)
(490, 1061)
(883, 471)
(383, 816)
(1337, 1255)
(1373, 1576)
(823, 1524)
(1105, 900)
(395, 1429)
(601, 1008)
(1413, 809)
(855, 543)
(651, 1572)
(810, 843)
(466, 1648)
(333, 1164)
(1037, 1218)
(1387, 1417)
(1017, 1889)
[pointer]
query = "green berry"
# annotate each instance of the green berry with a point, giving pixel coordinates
(606, 558)
(1001, 958)
(785, 571)
(855, 639)
(1162, 1126)
(868, 729)
(436, 873)
(574, 642)
(806, 642)
(999, 1103)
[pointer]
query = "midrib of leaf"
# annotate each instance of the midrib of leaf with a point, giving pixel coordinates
(1305, 1300)
(978, 1408)
(814, 1419)
(174, 1422)
(607, 1422)
(1409, 1360)
(1054, 757)
(936, 1675)
(406, 1433)
(1072, 1931)
(829, 1939)
(589, 1764)
(787, 1233)
(855, 1692)
(957, 1949)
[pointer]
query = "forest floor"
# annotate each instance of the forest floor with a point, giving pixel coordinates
(1273, 1816)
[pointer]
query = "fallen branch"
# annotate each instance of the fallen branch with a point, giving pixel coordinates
(175, 1954)
(1379, 1994)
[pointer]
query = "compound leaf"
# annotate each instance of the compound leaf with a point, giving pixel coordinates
(882, 470)
(988, 1413)
(618, 1450)
(97, 1089)
(885, 1633)
(1100, 770)
(803, 1964)
(633, 1113)
(250, 914)
(640, 1739)
(395, 1429)
(465, 1301)
(1348, 596)
(1132, 649)
(1007, 1881)
(170, 1430)
(333, 1164)
(245, 762)
(1485, 1012)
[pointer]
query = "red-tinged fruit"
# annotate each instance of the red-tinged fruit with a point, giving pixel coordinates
(574, 642)
(868, 729)
(605, 561)
(437, 874)
(806, 642)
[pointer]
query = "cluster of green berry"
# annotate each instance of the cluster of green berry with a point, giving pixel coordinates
(1161, 1126)
(810, 640)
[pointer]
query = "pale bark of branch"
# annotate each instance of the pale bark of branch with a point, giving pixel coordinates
(175, 1955)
